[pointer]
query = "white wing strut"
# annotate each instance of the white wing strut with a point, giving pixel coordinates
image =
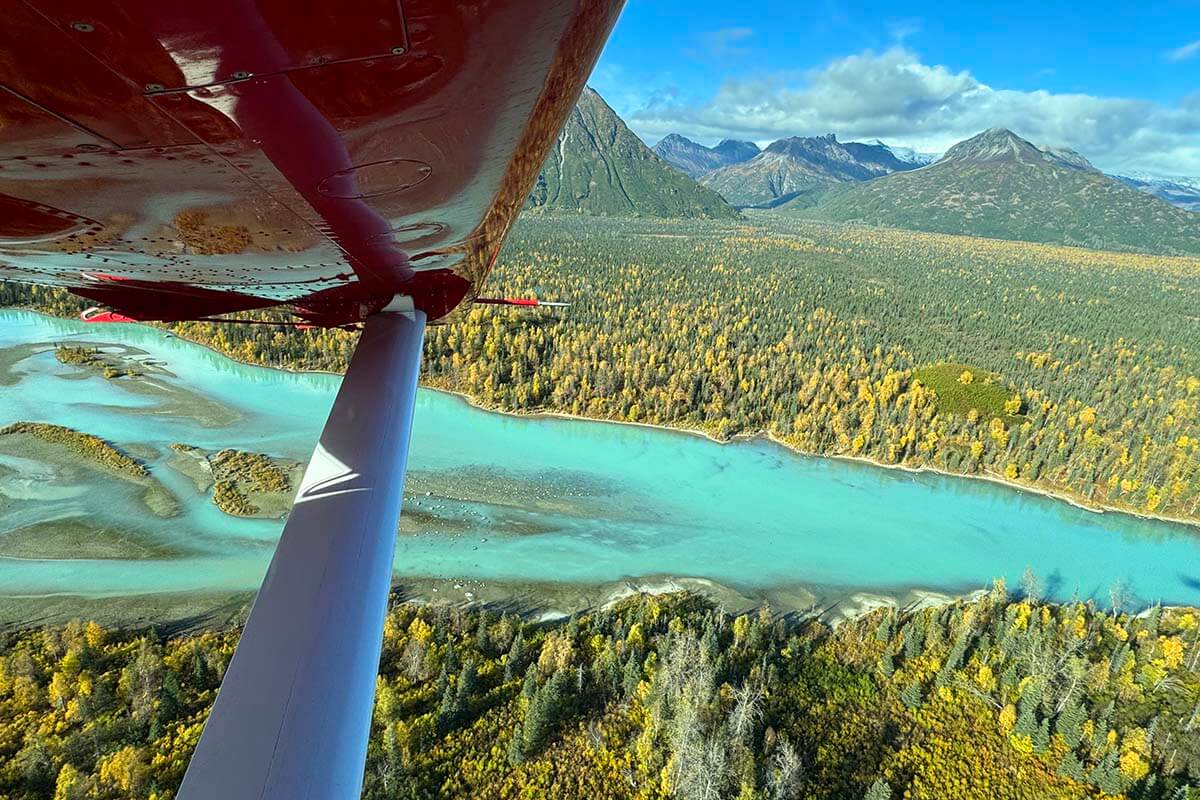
(294, 711)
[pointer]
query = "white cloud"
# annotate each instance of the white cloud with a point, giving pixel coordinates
(1184, 53)
(725, 43)
(895, 97)
(903, 29)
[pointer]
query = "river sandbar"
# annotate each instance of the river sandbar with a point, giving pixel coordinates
(77, 539)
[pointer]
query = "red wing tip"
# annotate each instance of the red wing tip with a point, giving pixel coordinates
(102, 277)
(95, 314)
(519, 301)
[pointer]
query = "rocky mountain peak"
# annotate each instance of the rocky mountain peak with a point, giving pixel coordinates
(994, 144)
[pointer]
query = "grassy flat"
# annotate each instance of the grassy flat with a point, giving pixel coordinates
(984, 393)
(75, 539)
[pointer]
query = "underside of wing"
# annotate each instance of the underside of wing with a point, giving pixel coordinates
(175, 160)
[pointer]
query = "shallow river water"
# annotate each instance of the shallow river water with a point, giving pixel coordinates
(497, 497)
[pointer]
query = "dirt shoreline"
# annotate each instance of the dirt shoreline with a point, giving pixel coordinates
(537, 601)
(990, 477)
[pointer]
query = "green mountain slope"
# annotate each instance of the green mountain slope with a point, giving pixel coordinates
(598, 166)
(998, 185)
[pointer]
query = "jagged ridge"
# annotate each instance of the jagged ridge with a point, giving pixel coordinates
(794, 166)
(694, 160)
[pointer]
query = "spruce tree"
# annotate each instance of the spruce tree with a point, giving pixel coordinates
(464, 690)
(516, 655)
(880, 790)
(483, 641)
(1069, 724)
(912, 639)
(1106, 776)
(1027, 723)
(883, 633)
(516, 746)
(1041, 736)
(448, 710)
(544, 711)
(632, 675)
(1070, 767)
(529, 687)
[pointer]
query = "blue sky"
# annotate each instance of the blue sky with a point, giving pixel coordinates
(1118, 81)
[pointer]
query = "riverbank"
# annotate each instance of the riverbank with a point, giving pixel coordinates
(555, 515)
(547, 600)
(179, 613)
(1054, 493)
(991, 477)
(192, 612)
(168, 614)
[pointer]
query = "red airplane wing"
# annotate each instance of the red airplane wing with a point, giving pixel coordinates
(175, 160)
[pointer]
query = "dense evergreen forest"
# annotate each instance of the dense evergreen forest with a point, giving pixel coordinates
(661, 697)
(1073, 370)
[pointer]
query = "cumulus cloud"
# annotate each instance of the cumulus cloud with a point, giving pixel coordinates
(893, 96)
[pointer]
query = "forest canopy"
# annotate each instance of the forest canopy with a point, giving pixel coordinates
(667, 696)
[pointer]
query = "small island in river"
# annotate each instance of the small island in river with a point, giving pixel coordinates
(243, 484)
(95, 358)
(130, 369)
(67, 447)
(90, 447)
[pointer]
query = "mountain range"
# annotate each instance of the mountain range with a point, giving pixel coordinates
(1178, 191)
(790, 167)
(995, 184)
(598, 166)
(694, 159)
(998, 185)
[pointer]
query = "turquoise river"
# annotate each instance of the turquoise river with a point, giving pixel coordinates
(498, 498)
